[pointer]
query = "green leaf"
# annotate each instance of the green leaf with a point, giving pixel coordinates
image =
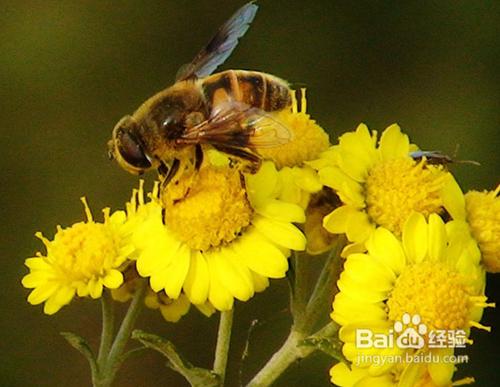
(196, 376)
(330, 346)
(81, 345)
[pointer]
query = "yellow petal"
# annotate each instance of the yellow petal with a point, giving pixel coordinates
(282, 211)
(415, 237)
(453, 198)
(342, 376)
(175, 310)
(359, 227)
(38, 263)
(357, 152)
(349, 191)
(60, 298)
(386, 248)
(366, 269)
(347, 310)
(436, 238)
(178, 271)
(262, 185)
(95, 288)
(207, 309)
(307, 179)
(159, 253)
(197, 281)
(158, 279)
(260, 282)
(82, 289)
(394, 144)
(336, 221)
(359, 290)
(353, 248)
(413, 373)
(261, 256)
(218, 295)
(113, 280)
(441, 372)
(281, 233)
(233, 275)
(35, 279)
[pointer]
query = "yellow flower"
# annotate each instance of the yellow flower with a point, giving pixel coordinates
(308, 139)
(297, 180)
(82, 259)
(477, 215)
(426, 275)
(344, 376)
(379, 186)
(220, 241)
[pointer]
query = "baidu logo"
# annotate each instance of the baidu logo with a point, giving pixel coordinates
(411, 332)
(408, 336)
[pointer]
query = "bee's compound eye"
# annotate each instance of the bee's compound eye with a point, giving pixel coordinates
(131, 151)
(172, 127)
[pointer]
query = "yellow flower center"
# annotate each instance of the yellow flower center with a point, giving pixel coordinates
(433, 291)
(396, 188)
(214, 210)
(483, 216)
(308, 138)
(83, 251)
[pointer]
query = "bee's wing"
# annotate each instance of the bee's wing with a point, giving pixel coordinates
(235, 124)
(220, 46)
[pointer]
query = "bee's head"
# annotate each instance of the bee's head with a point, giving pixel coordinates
(127, 149)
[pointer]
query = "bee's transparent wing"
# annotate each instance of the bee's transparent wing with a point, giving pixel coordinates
(236, 124)
(220, 46)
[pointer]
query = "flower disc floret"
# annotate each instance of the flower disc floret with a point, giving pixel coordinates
(214, 211)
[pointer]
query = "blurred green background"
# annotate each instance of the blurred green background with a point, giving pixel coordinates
(70, 69)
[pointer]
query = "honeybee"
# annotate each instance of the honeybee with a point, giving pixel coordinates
(231, 111)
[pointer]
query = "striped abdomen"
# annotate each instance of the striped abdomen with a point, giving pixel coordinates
(256, 89)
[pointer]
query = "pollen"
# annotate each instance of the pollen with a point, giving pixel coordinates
(308, 139)
(395, 188)
(433, 291)
(483, 216)
(214, 210)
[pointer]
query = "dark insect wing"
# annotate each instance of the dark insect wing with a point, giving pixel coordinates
(236, 124)
(220, 46)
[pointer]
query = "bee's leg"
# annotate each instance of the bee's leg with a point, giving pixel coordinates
(171, 173)
(246, 159)
(163, 169)
(198, 157)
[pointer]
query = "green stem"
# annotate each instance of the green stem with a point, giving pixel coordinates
(115, 354)
(281, 360)
(324, 290)
(299, 289)
(288, 354)
(108, 322)
(223, 341)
